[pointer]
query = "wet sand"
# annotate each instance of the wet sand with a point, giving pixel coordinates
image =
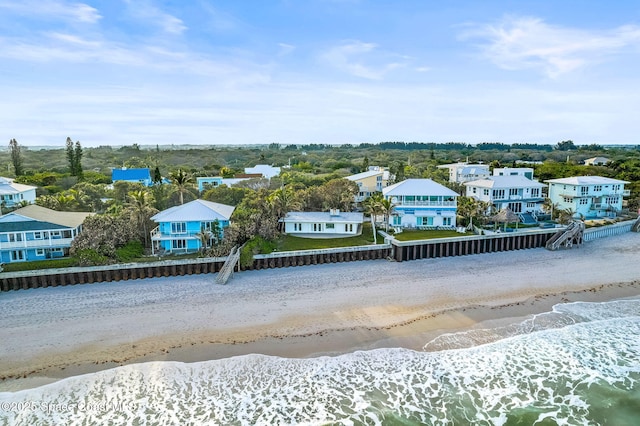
(328, 309)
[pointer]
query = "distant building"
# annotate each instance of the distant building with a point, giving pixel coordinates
(142, 176)
(514, 171)
(370, 182)
(421, 203)
(12, 194)
(180, 227)
(263, 170)
(331, 224)
(208, 182)
(465, 172)
(596, 161)
(588, 196)
(37, 233)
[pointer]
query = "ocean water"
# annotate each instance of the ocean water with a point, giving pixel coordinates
(577, 365)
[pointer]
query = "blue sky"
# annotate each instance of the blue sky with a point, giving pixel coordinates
(118, 72)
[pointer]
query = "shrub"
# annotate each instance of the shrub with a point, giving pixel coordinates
(90, 257)
(256, 245)
(130, 251)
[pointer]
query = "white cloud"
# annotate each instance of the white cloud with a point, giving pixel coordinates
(285, 49)
(150, 14)
(360, 59)
(52, 9)
(529, 43)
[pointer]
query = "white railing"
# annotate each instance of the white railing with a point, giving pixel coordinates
(45, 243)
(427, 203)
(608, 230)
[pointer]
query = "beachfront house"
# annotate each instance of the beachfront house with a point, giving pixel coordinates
(588, 196)
(14, 194)
(465, 172)
(521, 195)
(142, 176)
(370, 182)
(421, 203)
(331, 224)
(37, 233)
(189, 227)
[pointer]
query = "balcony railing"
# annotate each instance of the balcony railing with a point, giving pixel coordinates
(45, 243)
(426, 203)
(157, 235)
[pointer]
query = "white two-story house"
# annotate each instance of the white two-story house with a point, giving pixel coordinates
(465, 172)
(421, 203)
(521, 195)
(588, 196)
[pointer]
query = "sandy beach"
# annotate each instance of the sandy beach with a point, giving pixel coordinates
(297, 312)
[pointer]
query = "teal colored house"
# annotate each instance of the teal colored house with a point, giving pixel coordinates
(37, 233)
(185, 228)
(207, 182)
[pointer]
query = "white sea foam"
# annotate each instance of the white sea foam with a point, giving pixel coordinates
(547, 374)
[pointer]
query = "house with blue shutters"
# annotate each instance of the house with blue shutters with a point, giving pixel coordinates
(142, 176)
(37, 233)
(189, 227)
(421, 203)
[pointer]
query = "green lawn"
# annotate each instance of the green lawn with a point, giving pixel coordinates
(408, 235)
(289, 243)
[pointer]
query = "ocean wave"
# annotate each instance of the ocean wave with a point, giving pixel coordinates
(587, 372)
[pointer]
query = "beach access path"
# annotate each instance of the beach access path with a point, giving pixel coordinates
(63, 331)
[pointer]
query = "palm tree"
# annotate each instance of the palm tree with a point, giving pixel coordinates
(182, 181)
(386, 207)
(283, 200)
(140, 203)
(373, 207)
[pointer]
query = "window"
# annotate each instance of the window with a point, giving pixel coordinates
(178, 244)
(597, 188)
(350, 227)
(446, 221)
(297, 227)
(473, 189)
(178, 228)
(584, 201)
(486, 191)
(37, 235)
(531, 205)
(56, 234)
(425, 221)
(317, 227)
(535, 192)
(330, 226)
(498, 194)
(17, 255)
(15, 237)
(584, 190)
(566, 199)
(397, 220)
(40, 252)
(513, 191)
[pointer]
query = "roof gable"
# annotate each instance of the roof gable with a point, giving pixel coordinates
(61, 218)
(418, 187)
(587, 180)
(195, 211)
(515, 181)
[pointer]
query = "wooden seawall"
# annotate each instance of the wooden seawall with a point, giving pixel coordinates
(393, 249)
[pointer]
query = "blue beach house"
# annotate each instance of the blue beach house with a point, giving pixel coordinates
(206, 182)
(185, 228)
(37, 233)
(142, 176)
(421, 203)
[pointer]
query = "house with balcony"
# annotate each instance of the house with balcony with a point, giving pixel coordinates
(521, 195)
(421, 203)
(370, 182)
(588, 197)
(141, 176)
(189, 227)
(465, 172)
(37, 233)
(14, 194)
(331, 224)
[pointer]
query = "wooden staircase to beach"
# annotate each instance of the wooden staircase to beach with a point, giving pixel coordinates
(567, 237)
(229, 265)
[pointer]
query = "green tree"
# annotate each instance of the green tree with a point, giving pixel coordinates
(16, 157)
(181, 182)
(373, 207)
(140, 205)
(74, 157)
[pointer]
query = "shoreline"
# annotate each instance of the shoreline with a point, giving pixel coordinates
(330, 310)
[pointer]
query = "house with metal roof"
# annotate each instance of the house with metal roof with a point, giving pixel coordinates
(370, 182)
(37, 233)
(331, 224)
(588, 196)
(421, 203)
(189, 227)
(518, 193)
(142, 176)
(465, 172)
(13, 194)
